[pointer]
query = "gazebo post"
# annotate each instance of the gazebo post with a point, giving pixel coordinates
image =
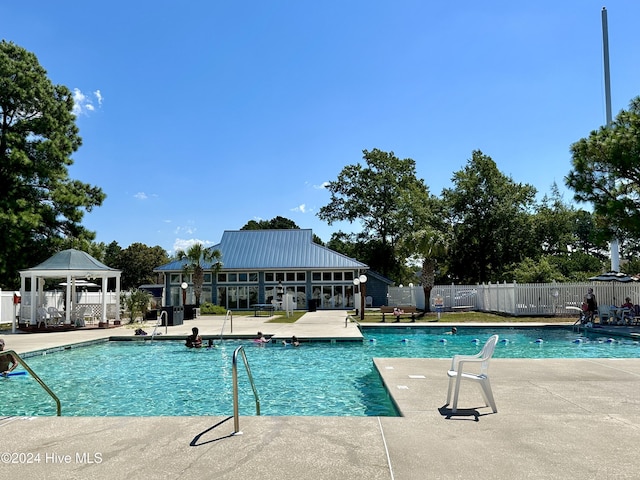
(67, 301)
(33, 287)
(118, 297)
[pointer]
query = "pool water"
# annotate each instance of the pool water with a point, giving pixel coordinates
(522, 342)
(320, 379)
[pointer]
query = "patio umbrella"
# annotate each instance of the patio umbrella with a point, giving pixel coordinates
(613, 277)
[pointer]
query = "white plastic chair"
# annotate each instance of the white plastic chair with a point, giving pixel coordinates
(368, 301)
(457, 374)
(604, 314)
(42, 317)
(55, 315)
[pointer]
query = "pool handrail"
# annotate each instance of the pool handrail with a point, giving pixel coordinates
(159, 323)
(37, 378)
(229, 314)
(236, 416)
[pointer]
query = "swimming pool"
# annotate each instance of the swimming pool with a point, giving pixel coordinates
(320, 379)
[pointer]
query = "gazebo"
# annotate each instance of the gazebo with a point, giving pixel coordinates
(74, 266)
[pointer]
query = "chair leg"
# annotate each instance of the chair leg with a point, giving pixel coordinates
(488, 394)
(454, 407)
(449, 390)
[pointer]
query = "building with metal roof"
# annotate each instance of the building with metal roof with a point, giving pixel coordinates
(260, 266)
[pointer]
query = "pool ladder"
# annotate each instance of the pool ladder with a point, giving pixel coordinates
(37, 378)
(236, 417)
(160, 323)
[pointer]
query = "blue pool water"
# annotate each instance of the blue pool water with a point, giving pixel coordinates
(321, 379)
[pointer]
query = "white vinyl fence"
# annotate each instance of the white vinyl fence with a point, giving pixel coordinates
(517, 299)
(92, 300)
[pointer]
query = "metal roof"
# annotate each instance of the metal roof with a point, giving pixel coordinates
(274, 249)
(72, 259)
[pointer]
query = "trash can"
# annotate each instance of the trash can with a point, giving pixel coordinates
(175, 315)
(189, 312)
(313, 304)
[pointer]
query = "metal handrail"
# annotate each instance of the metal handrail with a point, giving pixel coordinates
(37, 378)
(159, 323)
(236, 416)
(229, 314)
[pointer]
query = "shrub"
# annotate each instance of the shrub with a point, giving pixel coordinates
(209, 309)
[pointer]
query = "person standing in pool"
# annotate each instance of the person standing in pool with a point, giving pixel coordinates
(261, 340)
(194, 340)
(7, 361)
(590, 305)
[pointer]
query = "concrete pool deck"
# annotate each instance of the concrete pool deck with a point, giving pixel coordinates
(559, 418)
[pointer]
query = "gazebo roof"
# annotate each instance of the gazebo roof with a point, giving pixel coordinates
(71, 260)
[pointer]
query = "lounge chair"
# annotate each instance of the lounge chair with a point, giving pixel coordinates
(457, 374)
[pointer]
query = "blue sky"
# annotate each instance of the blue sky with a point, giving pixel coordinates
(199, 116)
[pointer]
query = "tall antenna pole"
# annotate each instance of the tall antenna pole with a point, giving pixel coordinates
(614, 244)
(607, 81)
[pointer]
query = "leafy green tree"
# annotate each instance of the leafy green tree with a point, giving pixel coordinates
(111, 254)
(491, 220)
(536, 271)
(137, 262)
(591, 234)
(277, 223)
(39, 204)
(606, 171)
(136, 302)
(576, 266)
(553, 224)
(194, 258)
(386, 197)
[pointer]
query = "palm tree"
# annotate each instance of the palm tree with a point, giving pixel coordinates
(198, 259)
(430, 245)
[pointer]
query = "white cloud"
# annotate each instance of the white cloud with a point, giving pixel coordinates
(183, 243)
(322, 186)
(184, 231)
(141, 196)
(82, 104)
(300, 208)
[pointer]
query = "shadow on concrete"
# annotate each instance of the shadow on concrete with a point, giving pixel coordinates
(196, 440)
(461, 414)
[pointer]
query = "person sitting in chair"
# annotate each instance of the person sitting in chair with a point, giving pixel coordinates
(397, 312)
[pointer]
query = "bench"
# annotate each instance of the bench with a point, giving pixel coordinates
(404, 309)
(258, 308)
